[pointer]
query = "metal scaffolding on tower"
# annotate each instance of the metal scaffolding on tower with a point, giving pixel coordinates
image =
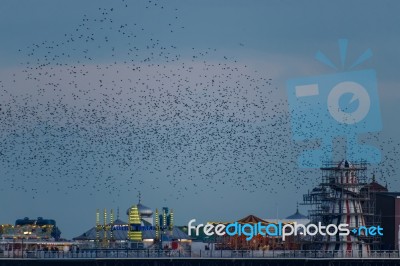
(342, 196)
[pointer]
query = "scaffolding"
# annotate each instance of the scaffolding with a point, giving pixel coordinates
(343, 196)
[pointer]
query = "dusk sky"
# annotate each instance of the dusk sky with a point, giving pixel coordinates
(184, 101)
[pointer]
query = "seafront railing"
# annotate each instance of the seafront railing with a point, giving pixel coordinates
(148, 253)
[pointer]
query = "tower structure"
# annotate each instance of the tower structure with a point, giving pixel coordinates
(342, 197)
(111, 224)
(105, 240)
(145, 213)
(134, 222)
(105, 229)
(157, 223)
(171, 220)
(98, 226)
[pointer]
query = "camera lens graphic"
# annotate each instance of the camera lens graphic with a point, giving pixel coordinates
(359, 93)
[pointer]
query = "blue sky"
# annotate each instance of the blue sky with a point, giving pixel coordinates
(207, 94)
